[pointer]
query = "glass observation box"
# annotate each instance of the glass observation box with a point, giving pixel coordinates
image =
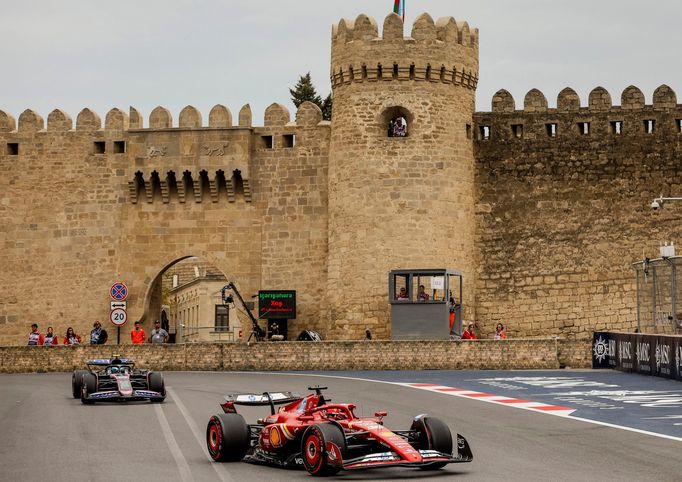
(426, 304)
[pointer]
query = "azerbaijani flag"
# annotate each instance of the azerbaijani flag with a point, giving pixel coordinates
(399, 8)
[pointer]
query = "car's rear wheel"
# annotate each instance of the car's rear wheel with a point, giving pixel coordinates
(433, 434)
(156, 384)
(323, 448)
(89, 386)
(77, 382)
(227, 437)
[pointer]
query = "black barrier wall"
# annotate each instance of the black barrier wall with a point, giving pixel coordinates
(659, 355)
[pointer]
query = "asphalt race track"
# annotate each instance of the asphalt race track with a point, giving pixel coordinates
(48, 435)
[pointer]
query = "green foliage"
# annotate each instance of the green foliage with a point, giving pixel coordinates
(304, 90)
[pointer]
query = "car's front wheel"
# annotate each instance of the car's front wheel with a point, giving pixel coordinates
(228, 437)
(77, 382)
(156, 384)
(323, 448)
(88, 387)
(432, 434)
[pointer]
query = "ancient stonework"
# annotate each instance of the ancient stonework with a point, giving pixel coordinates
(543, 209)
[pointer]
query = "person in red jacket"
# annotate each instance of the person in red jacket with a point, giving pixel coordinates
(71, 338)
(51, 339)
(35, 338)
(137, 335)
(469, 333)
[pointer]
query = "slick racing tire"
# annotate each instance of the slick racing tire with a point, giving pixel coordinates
(323, 448)
(89, 385)
(156, 384)
(77, 382)
(228, 437)
(434, 434)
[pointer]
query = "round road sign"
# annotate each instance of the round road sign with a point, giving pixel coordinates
(118, 316)
(118, 291)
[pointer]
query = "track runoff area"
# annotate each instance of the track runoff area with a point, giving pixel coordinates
(521, 425)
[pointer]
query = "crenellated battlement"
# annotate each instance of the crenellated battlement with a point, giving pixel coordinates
(116, 120)
(537, 121)
(444, 51)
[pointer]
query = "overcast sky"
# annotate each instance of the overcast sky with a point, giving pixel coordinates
(72, 54)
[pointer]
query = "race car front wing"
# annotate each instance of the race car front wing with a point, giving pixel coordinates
(116, 396)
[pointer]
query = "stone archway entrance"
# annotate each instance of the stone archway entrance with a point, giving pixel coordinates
(186, 297)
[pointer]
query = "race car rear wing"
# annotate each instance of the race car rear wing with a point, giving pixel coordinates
(252, 399)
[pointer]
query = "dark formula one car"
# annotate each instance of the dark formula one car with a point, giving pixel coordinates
(327, 437)
(118, 380)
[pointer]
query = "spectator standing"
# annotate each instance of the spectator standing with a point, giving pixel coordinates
(98, 335)
(422, 295)
(137, 335)
(499, 332)
(402, 295)
(35, 338)
(469, 333)
(158, 335)
(71, 338)
(51, 339)
(399, 128)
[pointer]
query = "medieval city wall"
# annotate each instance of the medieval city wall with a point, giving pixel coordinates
(563, 209)
(84, 206)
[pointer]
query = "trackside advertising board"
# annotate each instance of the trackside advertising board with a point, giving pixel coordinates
(658, 355)
(277, 304)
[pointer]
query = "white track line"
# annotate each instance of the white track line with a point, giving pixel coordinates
(220, 469)
(571, 417)
(180, 461)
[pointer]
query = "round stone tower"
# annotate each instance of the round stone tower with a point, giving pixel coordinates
(398, 202)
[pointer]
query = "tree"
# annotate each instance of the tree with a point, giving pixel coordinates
(304, 90)
(327, 107)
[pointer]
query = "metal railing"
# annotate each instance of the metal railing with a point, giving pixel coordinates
(197, 334)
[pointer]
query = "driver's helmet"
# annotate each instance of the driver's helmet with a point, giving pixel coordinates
(114, 369)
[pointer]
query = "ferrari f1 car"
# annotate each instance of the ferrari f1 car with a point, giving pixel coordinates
(117, 380)
(325, 437)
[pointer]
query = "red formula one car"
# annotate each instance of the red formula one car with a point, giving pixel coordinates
(116, 380)
(327, 437)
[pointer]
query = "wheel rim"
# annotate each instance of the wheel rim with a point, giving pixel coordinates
(312, 450)
(214, 439)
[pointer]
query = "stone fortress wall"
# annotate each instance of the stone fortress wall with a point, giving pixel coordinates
(543, 225)
(563, 198)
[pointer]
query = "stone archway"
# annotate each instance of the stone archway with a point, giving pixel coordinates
(189, 287)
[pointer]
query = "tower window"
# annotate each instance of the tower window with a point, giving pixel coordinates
(99, 147)
(551, 129)
(517, 130)
(396, 121)
(395, 71)
(412, 72)
(649, 126)
(484, 133)
(679, 125)
(288, 140)
(584, 128)
(266, 142)
(468, 130)
(12, 149)
(617, 127)
(119, 147)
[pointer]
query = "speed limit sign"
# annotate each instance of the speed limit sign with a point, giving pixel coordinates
(118, 316)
